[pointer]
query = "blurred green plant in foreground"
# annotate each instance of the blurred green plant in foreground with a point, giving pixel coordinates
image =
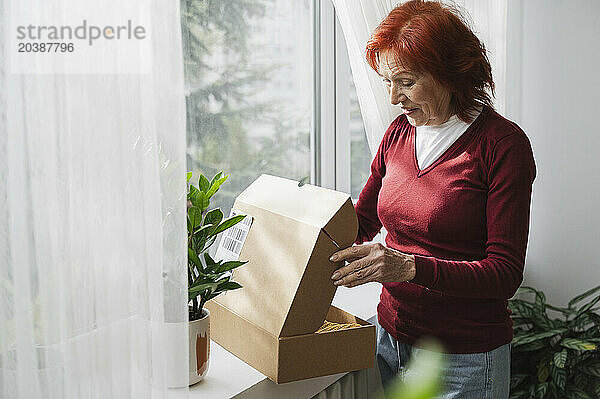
(423, 380)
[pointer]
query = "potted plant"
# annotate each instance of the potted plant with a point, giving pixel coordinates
(555, 357)
(207, 278)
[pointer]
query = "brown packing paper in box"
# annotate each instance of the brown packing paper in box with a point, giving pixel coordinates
(287, 291)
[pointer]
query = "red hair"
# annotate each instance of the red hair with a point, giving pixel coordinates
(429, 36)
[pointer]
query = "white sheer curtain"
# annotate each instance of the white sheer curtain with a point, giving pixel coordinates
(92, 212)
(359, 18)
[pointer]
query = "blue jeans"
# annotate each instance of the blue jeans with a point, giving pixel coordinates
(464, 375)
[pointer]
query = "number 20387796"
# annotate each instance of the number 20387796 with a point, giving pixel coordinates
(46, 47)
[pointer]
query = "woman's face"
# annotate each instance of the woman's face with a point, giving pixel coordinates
(424, 101)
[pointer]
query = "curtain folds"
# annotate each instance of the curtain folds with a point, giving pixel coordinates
(92, 216)
(359, 18)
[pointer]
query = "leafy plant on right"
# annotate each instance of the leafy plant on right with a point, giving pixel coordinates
(555, 349)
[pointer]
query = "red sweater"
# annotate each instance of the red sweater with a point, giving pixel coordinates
(466, 220)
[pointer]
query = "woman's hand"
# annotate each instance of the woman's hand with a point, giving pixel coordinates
(370, 263)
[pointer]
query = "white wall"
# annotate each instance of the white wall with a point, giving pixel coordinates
(553, 87)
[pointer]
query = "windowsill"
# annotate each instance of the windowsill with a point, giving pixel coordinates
(229, 377)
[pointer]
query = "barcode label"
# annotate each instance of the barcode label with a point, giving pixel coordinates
(232, 245)
(233, 240)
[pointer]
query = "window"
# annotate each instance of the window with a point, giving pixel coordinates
(249, 89)
(353, 154)
(360, 154)
(350, 118)
(269, 90)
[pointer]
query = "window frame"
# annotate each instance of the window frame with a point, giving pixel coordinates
(324, 133)
(330, 138)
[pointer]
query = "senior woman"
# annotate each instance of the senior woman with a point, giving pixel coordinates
(451, 183)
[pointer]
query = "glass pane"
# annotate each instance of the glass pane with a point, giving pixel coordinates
(249, 88)
(360, 156)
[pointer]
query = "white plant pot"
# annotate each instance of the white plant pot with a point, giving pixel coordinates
(199, 347)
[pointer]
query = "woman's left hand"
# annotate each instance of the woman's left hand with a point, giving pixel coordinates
(372, 263)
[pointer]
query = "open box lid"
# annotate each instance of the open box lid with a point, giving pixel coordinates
(287, 289)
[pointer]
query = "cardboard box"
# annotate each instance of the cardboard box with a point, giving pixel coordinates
(287, 291)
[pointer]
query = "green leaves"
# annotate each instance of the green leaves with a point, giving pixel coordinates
(229, 223)
(540, 390)
(592, 369)
(531, 312)
(576, 393)
(516, 379)
(214, 287)
(530, 347)
(213, 217)
(576, 344)
(596, 389)
(558, 356)
(587, 306)
(196, 290)
(206, 277)
(559, 376)
(526, 339)
(198, 198)
(581, 297)
(193, 257)
(518, 394)
(210, 263)
(201, 195)
(227, 266)
(215, 178)
(543, 373)
(195, 216)
(214, 185)
(203, 184)
(540, 297)
(220, 267)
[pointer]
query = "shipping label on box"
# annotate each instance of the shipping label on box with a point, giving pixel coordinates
(233, 239)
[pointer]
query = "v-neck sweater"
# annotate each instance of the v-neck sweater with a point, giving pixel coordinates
(465, 218)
